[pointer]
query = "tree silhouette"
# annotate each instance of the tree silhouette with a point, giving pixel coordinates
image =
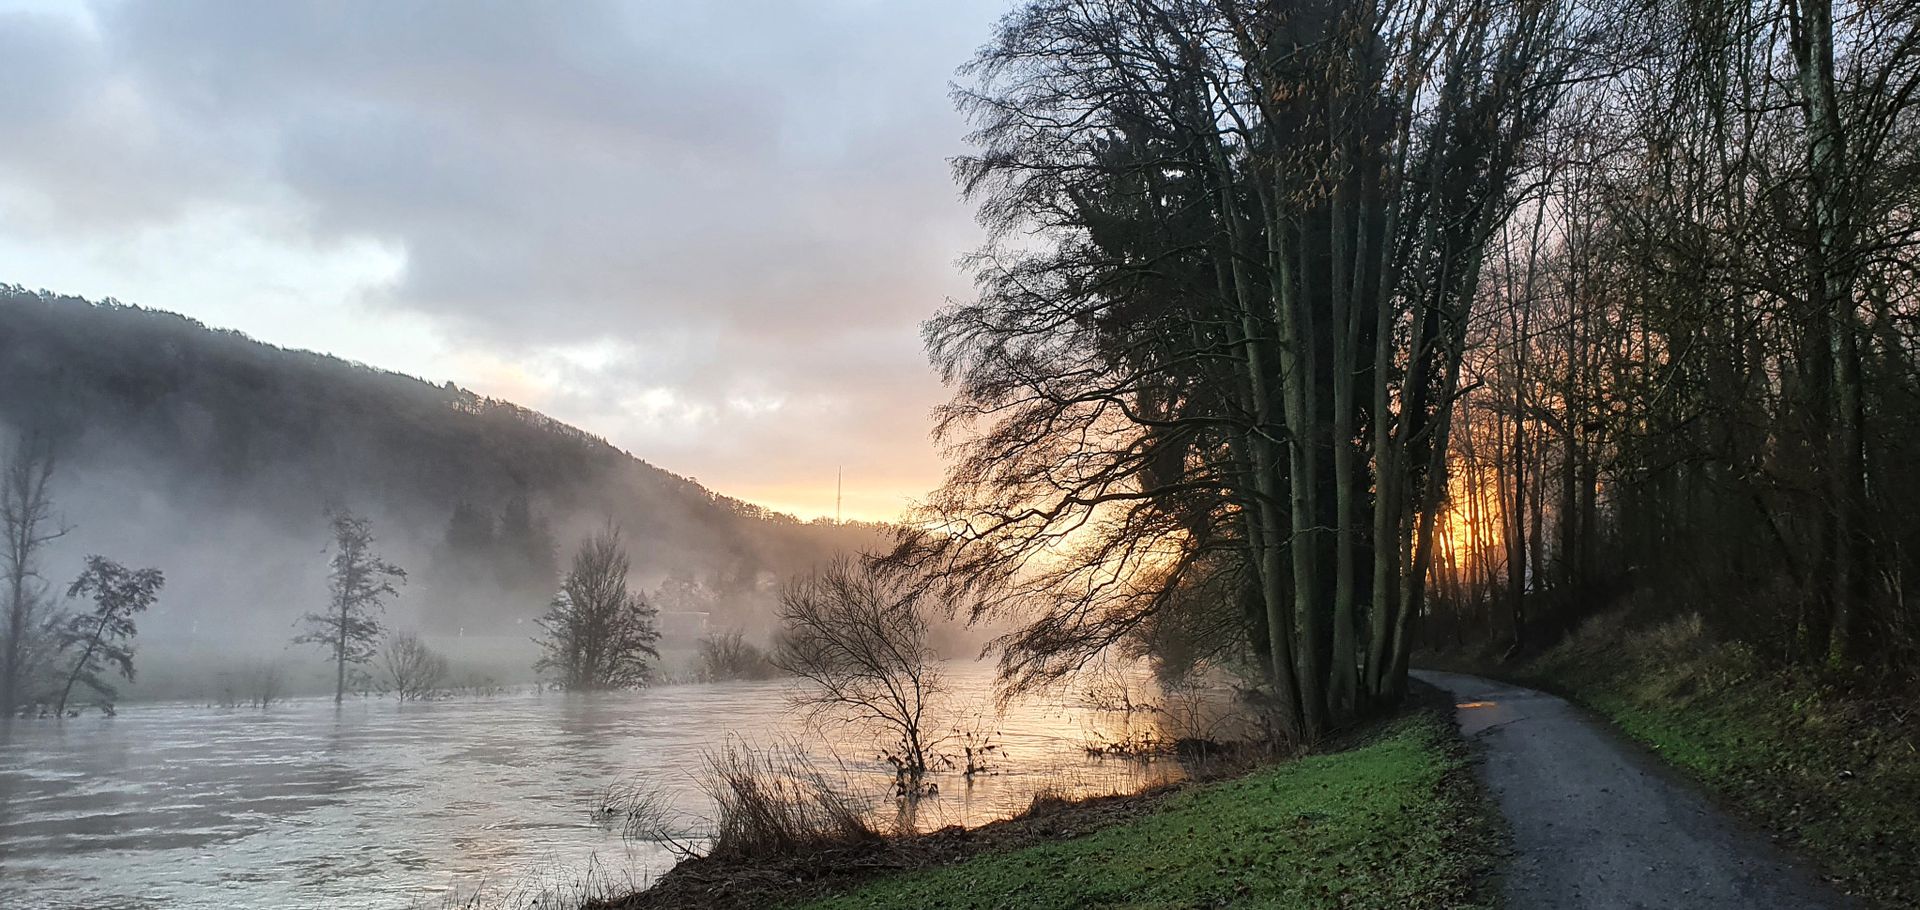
(104, 636)
(358, 582)
(598, 634)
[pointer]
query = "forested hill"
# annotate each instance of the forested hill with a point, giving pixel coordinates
(175, 435)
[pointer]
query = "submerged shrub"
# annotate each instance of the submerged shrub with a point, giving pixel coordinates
(777, 801)
(729, 655)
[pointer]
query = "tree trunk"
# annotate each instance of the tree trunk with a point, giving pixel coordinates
(340, 658)
(81, 664)
(1830, 288)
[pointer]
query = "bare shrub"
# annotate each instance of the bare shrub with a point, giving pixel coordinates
(1046, 801)
(475, 685)
(410, 668)
(778, 802)
(257, 685)
(856, 636)
(729, 655)
(1108, 686)
(645, 812)
(1131, 744)
(264, 685)
(977, 749)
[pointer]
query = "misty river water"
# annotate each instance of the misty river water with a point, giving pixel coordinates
(422, 804)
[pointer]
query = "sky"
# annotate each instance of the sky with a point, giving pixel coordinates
(708, 231)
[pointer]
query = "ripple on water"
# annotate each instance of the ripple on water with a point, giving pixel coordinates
(387, 805)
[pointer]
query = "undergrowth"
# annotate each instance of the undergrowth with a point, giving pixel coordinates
(1832, 768)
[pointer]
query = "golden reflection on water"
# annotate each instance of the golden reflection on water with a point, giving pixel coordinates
(1111, 733)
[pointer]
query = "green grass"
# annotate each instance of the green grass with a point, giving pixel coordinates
(1394, 823)
(1837, 776)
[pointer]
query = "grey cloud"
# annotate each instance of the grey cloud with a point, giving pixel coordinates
(749, 195)
(574, 168)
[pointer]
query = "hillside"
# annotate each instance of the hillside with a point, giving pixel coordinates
(214, 456)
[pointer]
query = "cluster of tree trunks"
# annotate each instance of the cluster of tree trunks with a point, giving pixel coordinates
(1203, 399)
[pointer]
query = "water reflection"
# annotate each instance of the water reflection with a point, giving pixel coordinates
(390, 805)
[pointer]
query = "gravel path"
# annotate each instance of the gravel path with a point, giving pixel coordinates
(1598, 822)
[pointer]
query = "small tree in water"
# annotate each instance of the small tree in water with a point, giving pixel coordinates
(857, 636)
(729, 655)
(599, 634)
(358, 582)
(414, 670)
(104, 636)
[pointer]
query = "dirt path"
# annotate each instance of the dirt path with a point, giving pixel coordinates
(1598, 822)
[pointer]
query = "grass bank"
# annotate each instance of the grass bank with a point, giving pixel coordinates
(1394, 819)
(1829, 765)
(1394, 822)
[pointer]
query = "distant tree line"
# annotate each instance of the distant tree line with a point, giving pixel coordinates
(506, 557)
(598, 633)
(53, 655)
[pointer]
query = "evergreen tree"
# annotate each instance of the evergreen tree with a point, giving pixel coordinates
(526, 550)
(469, 530)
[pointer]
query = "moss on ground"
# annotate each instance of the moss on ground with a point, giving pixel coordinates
(1832, 771)
(1395, 822)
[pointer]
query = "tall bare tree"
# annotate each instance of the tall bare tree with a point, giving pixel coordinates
(29, 523)
(359, 581)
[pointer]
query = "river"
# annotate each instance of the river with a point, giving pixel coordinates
(477, 799)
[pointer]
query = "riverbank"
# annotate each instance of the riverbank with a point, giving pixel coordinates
(1393, 819)
(1829, 766)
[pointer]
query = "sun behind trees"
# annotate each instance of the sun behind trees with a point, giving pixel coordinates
(1699, 370)
(1219, 395)
(599, 634)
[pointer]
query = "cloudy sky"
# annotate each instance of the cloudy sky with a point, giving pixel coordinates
(706, 230)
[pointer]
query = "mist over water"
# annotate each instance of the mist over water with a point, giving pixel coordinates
(391, 805)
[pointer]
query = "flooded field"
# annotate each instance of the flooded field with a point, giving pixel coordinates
(385, 804)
